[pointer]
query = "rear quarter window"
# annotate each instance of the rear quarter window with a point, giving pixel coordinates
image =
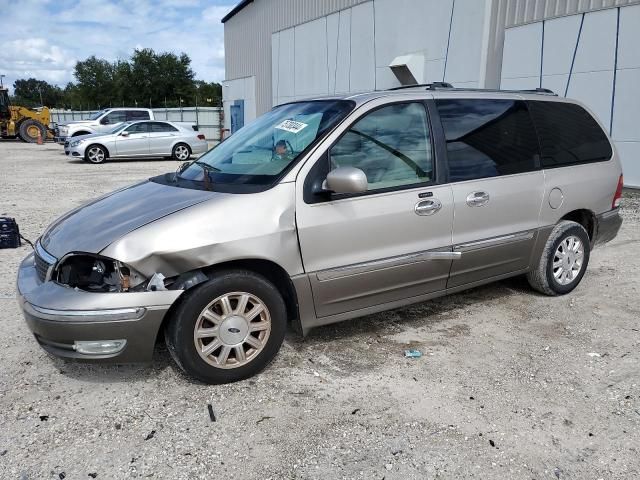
(568, 134)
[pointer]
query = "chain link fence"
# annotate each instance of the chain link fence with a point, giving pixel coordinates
(208, 119)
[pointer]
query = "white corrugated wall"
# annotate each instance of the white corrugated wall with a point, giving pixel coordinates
(247, 37)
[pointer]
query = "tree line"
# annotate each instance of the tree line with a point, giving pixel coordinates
(147, 79)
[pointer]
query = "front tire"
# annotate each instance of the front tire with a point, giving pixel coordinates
(227, 329)
(563, 261)
(29, 129)
(95, 154)
(181, 152)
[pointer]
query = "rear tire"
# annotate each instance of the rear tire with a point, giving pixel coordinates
(228, 328)
(181, 152)
(95, 154)
(29, 129)
(563, 261)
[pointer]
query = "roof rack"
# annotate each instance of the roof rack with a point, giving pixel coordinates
(428, 86)
(448, 86)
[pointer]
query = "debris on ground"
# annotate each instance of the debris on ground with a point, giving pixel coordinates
(413, 353)
(212, 414)
(263, 419)
(151, 434)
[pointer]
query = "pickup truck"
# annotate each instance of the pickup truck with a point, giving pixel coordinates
(101, 122)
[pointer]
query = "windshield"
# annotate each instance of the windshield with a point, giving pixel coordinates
(97, 115)
(120, 127)
(259, 152)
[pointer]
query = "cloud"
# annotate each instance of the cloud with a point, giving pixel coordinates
(45, 39)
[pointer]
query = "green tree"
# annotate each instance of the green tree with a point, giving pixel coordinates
(32, 93)
(96, 83)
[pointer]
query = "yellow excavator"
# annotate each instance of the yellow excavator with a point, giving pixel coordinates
(23, 122)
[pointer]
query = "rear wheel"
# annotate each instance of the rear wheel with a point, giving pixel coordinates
(29, 129)
(95, 154)
(181, 152)
(228, 328)
(563, 261)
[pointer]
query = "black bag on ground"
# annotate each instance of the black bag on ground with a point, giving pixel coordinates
(9, 233)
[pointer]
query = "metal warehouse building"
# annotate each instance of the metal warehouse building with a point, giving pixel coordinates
(280, 50)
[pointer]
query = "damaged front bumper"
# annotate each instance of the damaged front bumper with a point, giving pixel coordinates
(119, 327)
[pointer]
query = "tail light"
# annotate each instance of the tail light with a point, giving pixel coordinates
(618, 195)
(200, 137)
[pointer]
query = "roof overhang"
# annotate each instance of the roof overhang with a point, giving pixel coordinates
(236, 10)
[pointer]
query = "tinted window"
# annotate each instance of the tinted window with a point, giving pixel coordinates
(488, 138)
(162, 127)
(391, 145)
(568, 134)
(114, 117)
(137, 115)
(138, 128)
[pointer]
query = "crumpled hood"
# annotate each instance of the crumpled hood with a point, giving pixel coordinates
(94, 226)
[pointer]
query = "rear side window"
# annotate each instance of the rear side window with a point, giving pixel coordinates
(568, 134)
(137, 115)
(162, 127)
(488, 138)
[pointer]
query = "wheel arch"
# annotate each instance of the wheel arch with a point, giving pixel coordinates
(81, 132)
(584, 217)
(96, 144)
(266, 268)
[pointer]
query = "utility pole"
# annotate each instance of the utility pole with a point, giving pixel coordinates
(1, 77)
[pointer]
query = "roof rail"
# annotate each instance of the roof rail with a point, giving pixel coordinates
(448, 86)
(428, 86)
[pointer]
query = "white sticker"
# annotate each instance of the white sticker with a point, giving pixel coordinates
(291, 126)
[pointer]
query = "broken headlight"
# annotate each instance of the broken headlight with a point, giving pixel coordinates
(93, 273)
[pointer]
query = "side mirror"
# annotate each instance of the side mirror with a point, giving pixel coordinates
(124, 134)
(346, 180)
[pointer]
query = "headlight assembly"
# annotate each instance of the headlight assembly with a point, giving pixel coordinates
(94, 273)
(75, 143)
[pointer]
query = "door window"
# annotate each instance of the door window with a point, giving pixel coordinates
(162, 127)
(114, 117)
(391, 145)
(137, 115)
(568, 134)
(488, 138)
(141, 127)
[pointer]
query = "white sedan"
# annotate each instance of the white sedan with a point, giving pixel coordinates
(138, 139)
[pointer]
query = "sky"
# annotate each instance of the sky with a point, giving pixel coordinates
(45, 38)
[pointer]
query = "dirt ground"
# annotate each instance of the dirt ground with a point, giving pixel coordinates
(512, 384)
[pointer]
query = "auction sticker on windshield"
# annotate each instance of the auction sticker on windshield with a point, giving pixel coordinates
(291, 126)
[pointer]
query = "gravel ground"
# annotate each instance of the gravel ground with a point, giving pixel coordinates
(511, 385)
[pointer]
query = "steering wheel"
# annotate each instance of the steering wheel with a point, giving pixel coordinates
(289, 152)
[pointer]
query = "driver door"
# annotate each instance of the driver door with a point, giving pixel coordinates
(111, 120)
(391, 242)
(133, 140)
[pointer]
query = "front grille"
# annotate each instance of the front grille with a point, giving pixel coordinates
(66, 144)
(42, 264)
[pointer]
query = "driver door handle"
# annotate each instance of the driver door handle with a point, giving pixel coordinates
(477, 199)
(428, 207)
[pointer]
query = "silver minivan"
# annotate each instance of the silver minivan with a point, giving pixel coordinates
(324, 210)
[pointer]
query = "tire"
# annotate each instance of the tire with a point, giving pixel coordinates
(95, 154)
(571, 239)
(227, 335)
(29, 129)
(181, 152)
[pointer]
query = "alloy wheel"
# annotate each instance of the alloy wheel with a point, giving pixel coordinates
(95, 155)
(182, 152)
(568, 260)
(232, 330)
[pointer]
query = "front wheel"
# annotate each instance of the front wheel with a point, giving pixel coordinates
(95, 154)
(563, 261)
(181, 152)
(228, 328)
